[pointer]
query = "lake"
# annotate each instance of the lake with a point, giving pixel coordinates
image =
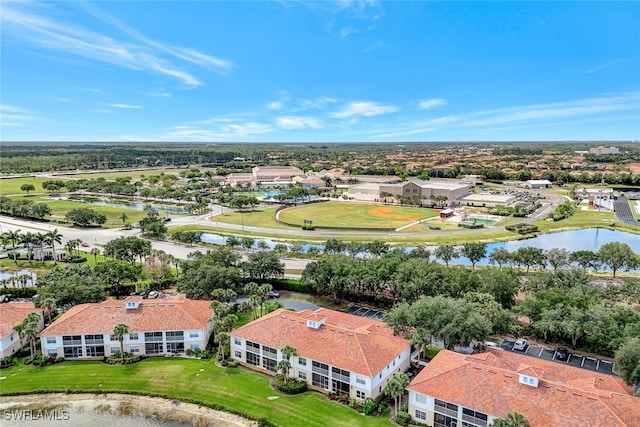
(138, 206)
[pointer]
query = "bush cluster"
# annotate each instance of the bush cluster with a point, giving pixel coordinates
(522, 228)
(293, 386)
(42, 360)
(117, 359)
(403, 418)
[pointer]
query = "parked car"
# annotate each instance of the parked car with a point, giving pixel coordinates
(521, 344)
(273, 294)
(153, 294)
(562, 353)
(84, 244)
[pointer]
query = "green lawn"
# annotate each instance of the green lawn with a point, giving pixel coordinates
(234, 388)
(135, 175)
(586, 219)
(258, 218)
(12, 185)
(114, 214)
(355, 215)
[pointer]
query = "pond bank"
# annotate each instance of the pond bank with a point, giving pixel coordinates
(94, 408)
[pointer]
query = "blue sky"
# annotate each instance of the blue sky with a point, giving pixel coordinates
(345, 71)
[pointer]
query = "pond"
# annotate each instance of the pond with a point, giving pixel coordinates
(138, 206)
(573, 240)
(13, 278)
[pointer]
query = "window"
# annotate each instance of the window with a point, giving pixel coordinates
(115, 350)
(238, 354)
(153, 347)
(71, 340)
(446, 408)
(473, 418)
(320, 368)
(237, 341)
(269, 352)
(340, 386)
(194, 335)
(175, 347)
(421, 398)
(193, 346)
(95, 350)
(360, 394)
(134, 349)
(253, 359)
(360, 380)
(302, 375)
(112, 337)
(72, 352)
(51, 340)
(341, 374)
(152, 336)
(302, 361)
(320, 381)
(133, 336)
(52, 353)
(94, 339)
(269, 364)
(175, 335)
(440, 420)
(421, 415)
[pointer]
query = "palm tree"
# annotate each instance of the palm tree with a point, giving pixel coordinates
(28, 239)
(119, 331)
(124, 218)
(48, 303)
(54, 237)
(15, 237)
(395, 388)
(513, 419)
(263, 294)
(285, 364)
(28, 330)
(95, 252)
(40, 239)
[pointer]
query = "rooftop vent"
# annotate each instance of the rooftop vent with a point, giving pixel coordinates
(530, 381)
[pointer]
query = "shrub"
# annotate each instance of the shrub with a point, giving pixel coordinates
(369, 406)
(232, 364)
(6, 362)
(293, 386)
(309, 227)
(77, 259)
(403, 418)
(116, 359)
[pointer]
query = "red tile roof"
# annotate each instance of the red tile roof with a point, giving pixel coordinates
(350, 342)
(489, 382)
(13, 313)
(166, 314)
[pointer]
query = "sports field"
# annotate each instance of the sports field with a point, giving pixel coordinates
(354, 215)
(12, 185)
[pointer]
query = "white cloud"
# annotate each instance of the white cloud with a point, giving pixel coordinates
(275, 105)
(430, 103)
(295, 122)
(15, 116)
(317, 103)
(140, 54)
(551, 111)
(125, 106)
(364, 108)
(596, 68)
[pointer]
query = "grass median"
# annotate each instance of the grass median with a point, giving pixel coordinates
(235, 389)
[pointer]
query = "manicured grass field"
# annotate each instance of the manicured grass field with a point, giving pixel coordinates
(12, 185)
(114, 214)
(122, 174)
(234, 388)
(264, 217)
(355, 215)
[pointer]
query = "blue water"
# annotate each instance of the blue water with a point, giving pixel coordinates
(574, 240)
(165, 209)
(31, 279)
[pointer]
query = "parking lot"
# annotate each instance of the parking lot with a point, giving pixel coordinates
(364, 312)
(584, 362)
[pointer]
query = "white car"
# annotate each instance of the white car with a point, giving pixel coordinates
(153, 294)
(521, 344)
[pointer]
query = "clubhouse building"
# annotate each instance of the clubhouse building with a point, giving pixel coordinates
(472, 390)
(336, 351)
(156, 327)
